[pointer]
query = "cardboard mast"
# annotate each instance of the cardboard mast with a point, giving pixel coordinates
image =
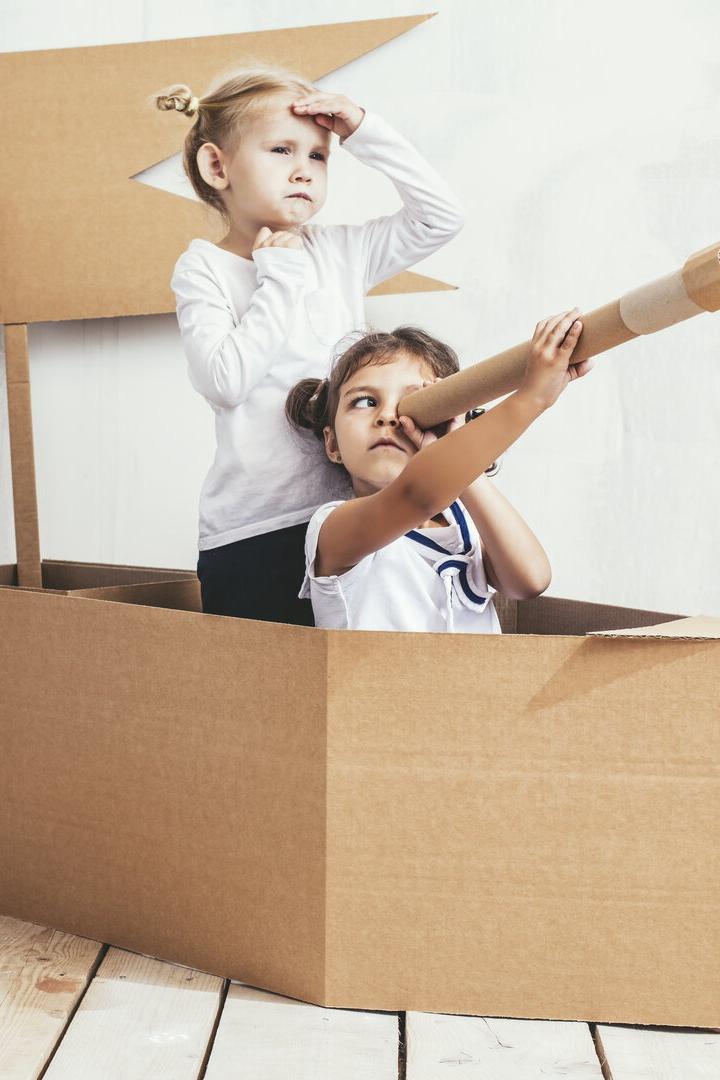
(22, 458)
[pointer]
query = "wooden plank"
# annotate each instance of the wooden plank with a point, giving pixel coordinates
(139, 1018)
(265, 1037)
(659, 1053)
(501, 1049)
(22, 456)
(42, 975)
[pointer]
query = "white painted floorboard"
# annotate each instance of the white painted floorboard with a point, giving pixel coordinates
(141, 1019)
(477, 1048)
(660, 1054)
(265, 1037)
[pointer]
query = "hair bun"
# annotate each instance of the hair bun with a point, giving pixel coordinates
(180, 98)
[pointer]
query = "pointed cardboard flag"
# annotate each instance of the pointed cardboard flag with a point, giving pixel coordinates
(79, 238)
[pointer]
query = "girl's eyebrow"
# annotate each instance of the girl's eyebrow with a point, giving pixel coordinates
(374, 390)
(355, 389)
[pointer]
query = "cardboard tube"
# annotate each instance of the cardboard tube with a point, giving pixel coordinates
(661, 303)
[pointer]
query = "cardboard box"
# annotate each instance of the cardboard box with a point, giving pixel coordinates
(517, 825)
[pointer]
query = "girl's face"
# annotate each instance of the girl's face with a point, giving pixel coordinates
(367, 436)
(277, 176)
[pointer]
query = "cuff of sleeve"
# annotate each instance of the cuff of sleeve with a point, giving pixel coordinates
(286, 264)
(370, 127)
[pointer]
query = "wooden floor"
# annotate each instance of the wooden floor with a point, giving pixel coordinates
(73, 1009)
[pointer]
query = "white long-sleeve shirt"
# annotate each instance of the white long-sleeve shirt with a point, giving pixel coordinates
(252, 328)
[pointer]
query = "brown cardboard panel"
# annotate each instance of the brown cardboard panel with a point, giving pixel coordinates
(126, 236)
(520, 826)
(163, 778)
(34, 588)
(22, 457)
(697, 627)
(182, 595)
(457, 823)
(125, 584)
(60, 574)
(555, 615)
(409, 282)
(507, 613)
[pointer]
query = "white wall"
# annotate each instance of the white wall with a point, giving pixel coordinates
(584, 140)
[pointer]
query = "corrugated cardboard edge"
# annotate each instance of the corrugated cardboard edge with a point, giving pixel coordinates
(693, 628)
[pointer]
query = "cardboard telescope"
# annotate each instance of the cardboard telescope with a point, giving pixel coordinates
(661, 303)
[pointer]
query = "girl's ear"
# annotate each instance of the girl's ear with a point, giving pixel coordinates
(331, 446)
(211, 164)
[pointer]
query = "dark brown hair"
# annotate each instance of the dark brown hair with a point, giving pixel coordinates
(234, 100)
(312, 403)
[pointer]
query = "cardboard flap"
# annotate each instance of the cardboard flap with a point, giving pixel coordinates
(694, 628)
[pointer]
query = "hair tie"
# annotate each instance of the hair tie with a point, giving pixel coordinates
(320, 387)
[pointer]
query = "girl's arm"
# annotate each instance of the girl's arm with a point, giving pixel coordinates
(438, 473)
(227, 359)
(428, 484)
(430, 216)
(515, 562)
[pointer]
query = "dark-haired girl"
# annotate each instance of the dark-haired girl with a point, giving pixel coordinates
(426, 538)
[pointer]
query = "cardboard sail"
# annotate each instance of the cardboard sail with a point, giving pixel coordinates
(80, 239)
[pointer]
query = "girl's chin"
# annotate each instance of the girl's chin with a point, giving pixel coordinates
(370, 485)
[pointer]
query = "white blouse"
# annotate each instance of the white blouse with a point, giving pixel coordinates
(429, 579)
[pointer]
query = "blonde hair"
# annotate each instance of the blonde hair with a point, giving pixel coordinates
(230, 102)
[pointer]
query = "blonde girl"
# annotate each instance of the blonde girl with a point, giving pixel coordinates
(426, 538)
(263, 307)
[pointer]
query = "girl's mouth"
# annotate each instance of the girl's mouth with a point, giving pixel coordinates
(387, 442)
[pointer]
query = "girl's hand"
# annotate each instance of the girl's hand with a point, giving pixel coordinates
(550, 366)
(331, 111)
(420, 438)
(267, 238)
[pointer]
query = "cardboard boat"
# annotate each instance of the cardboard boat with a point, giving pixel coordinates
(519, 825)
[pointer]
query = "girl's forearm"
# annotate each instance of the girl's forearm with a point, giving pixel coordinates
(439, 472)
(515, 561)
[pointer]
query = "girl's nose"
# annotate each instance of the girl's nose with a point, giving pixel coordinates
(391, 421)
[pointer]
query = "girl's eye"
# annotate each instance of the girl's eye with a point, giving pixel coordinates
(316, 155)
(371, 402)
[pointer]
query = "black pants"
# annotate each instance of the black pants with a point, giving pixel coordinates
(257, 578)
